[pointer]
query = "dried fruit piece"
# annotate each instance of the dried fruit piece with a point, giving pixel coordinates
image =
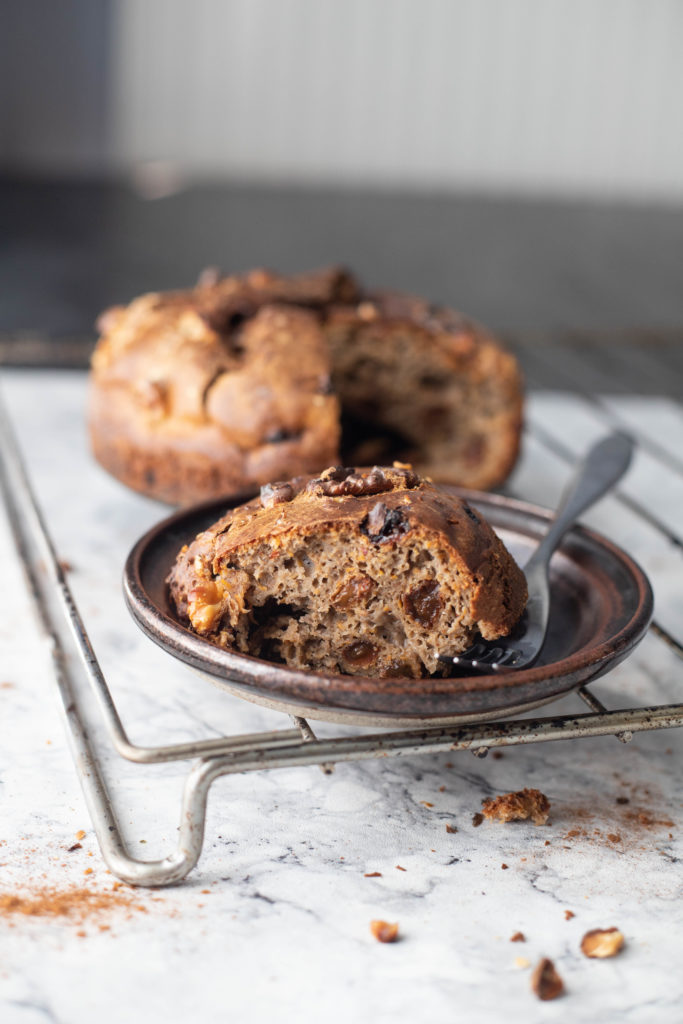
(525, 803)
(360, 654)
(602, 942)
(383, 931)
(423, 603)
(353, 592)
(545, 981)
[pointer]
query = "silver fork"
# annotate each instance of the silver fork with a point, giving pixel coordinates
(599, 470)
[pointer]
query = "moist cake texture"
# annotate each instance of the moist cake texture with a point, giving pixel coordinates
(219, 388)
(365, 572)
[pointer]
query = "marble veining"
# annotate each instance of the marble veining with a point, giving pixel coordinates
(274, 921)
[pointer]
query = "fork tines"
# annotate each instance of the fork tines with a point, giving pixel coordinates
(482, 655)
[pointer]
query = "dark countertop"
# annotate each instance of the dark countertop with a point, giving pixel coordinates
(69, 249)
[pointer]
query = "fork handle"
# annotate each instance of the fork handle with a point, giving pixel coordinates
(600, 469)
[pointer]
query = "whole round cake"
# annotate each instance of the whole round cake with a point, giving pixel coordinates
(241, 380)
(365, 572)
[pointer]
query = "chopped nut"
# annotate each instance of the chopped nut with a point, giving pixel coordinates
(451, 829)
(477, 819)
(372, 874)
(569, 914)
(399, 868)
(602, 942)
(526, 803)
(426, 803)
(518, 937)
(521, 961)
(76, 846)
(366, 311)
(545, 981)
(204, 608)
(276, 494)
(80, 834)
(504, 867)
(383, 931)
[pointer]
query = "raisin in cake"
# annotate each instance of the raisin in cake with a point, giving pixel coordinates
(366, 572)
(242, 380)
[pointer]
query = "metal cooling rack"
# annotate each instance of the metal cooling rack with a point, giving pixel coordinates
(77, 670)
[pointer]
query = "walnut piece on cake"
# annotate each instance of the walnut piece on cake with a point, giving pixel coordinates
(519, 806)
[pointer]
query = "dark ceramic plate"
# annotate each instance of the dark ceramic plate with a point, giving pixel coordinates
(601, 608)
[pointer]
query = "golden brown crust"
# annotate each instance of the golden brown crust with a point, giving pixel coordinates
(178, 413)
(225, 386)
(380, 542)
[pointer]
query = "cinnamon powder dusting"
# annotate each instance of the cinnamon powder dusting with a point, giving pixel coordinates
(76, 905)
(627, 824)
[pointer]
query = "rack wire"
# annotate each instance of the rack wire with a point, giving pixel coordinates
(77, 669)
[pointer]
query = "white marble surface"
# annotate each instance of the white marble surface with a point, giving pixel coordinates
(283, 928)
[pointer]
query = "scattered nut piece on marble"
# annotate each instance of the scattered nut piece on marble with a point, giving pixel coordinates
(601, 943)
(545, 981)
(526, 803)
(384, 931)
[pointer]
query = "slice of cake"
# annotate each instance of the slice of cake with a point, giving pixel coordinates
(367, 572)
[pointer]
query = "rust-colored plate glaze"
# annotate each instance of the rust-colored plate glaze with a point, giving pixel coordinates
(601, 608)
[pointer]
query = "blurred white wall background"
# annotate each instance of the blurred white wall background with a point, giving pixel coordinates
(563, 97)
